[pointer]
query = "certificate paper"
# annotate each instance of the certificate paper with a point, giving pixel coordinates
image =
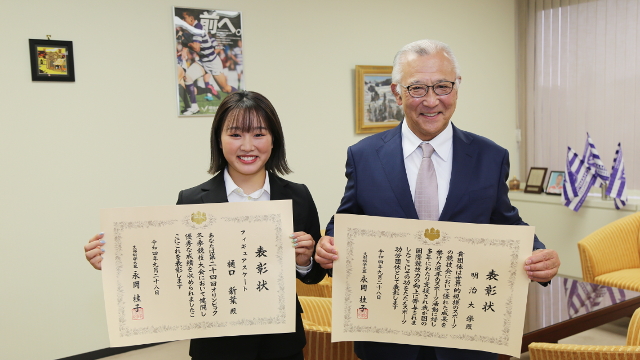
(192, 271)
(431, 283)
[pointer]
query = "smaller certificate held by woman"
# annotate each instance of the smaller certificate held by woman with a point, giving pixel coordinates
(193, 271)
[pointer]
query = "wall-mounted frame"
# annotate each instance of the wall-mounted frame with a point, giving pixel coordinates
(51, 60)
(535, 180)
(209, 59)
(555, 183)
(376, 107)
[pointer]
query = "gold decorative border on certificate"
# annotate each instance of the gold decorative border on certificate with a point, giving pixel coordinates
(353, 233)
(120, 227)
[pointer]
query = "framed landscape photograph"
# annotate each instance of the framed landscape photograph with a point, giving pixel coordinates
(51, 60)
(535, 180)
(376, 107)
(555, 183)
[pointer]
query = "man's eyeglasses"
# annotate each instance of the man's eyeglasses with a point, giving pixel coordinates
(419, 90)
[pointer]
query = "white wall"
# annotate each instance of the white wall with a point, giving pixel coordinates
(112, 139)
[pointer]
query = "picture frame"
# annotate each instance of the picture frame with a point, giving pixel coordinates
(204, 78)
(51, 60)
(376, 107)
(535, 180)
(555, 183)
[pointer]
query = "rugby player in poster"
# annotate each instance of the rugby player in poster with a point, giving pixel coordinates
(236, 55)
(207, 61)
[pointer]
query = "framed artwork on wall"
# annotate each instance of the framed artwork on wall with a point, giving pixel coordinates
(51, 60)
(376, 107)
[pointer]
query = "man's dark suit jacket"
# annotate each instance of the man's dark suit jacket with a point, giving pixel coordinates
(377, 185)
(305, 218)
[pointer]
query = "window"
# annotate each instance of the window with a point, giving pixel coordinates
(580, 72)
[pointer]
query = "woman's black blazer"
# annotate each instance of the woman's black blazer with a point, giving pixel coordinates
(305, 218)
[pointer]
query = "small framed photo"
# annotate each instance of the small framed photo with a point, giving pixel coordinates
(555, 183)
(376, 107)
(535, 180)
(51, 60)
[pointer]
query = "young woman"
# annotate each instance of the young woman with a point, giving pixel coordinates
(247, 150)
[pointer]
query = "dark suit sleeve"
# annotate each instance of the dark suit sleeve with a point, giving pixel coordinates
(311, 226)
(349, 202)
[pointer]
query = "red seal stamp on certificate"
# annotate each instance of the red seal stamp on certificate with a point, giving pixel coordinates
(363, 313)
(137, 313)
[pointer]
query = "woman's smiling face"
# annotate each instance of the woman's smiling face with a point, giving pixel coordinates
(248, 151)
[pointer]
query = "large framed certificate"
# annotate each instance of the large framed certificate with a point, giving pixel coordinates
(430, 283)
(192, 271)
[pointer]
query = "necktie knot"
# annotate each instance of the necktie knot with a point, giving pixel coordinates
(427, 150)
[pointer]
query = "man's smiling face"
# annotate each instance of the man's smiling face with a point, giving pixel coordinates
(429, 115)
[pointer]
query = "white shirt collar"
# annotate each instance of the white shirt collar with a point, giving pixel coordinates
(441, 143)
(231, 187)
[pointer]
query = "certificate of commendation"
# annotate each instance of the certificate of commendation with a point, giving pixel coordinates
(432, 283)
(192, 271)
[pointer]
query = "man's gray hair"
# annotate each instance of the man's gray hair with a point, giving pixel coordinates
(422, 48)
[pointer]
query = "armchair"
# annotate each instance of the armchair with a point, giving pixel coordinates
(610, 256)
(631, 351)
(317, 328)
(321, 289)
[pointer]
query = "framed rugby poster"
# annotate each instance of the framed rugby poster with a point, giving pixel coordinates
(209, 60)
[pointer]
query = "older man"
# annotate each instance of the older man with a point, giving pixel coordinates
(426, 168)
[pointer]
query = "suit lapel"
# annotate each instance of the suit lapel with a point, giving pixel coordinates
(391, 157)
(462, 163)
(214, 190)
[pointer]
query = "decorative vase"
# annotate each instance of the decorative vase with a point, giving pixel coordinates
(514, 184)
